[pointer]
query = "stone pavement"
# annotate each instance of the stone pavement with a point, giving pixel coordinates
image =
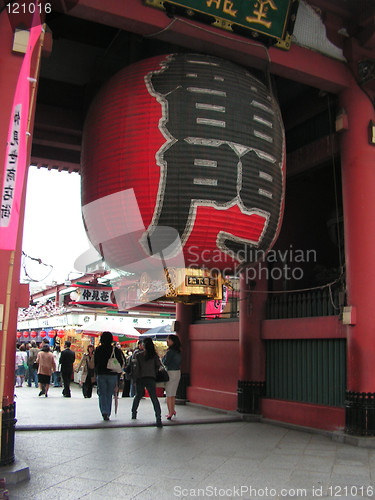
(211, 455)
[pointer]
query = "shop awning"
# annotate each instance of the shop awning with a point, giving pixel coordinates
(158, 333)
(119, 329)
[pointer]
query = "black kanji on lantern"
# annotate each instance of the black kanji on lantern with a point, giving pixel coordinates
(224, 148)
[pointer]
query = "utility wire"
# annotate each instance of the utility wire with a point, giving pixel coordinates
(39, 261)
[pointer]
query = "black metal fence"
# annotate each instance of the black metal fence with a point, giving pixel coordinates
(319, 302)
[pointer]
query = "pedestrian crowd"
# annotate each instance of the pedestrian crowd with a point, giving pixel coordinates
(107, 367)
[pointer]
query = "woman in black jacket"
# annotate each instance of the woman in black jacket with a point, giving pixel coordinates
(106, 379)
(147, 363)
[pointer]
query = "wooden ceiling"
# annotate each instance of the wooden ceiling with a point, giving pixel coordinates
(91, 43)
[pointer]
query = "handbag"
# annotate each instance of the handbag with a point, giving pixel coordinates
(162, 375)
(113, 363)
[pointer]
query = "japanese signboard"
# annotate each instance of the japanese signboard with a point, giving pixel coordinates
(11, 168)
(95, 296)
(269, 20)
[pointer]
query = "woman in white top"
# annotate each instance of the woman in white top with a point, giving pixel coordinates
(21, 364)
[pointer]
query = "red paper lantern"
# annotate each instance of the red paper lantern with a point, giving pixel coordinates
(34, 335)
(61, 334)
(51, 334)
(43, 334)
(19, 335)
(26, 335)
(201, 142)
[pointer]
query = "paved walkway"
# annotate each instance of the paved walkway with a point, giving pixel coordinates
(56, 412)
(215, 458)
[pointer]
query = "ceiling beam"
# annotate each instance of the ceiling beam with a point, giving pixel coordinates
(314, 154)
(299, 64)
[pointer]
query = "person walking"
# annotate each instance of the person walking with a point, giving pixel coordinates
(132, 361)
(57, 374)
(88, 378)
(46, 366)
(67, 358)
(31, 361)
(127, 374)
(106, 379)
(21, 364)
(147, 363)
(172, 362)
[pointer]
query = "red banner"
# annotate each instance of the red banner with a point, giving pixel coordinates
(16, 151)
(214, 308)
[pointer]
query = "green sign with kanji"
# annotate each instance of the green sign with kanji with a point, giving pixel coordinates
(266, 19)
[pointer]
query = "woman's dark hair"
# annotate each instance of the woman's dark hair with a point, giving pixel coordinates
(149, 348)
(90, 345)
(46, 348)
(176, 342)
(106, 338)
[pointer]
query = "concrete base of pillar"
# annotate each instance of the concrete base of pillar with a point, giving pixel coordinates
(15, 473)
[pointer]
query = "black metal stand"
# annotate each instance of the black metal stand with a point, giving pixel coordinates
(248, 396)
(360, 413)
(7, 434)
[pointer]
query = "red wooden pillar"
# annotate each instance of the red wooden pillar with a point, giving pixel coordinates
(184, 317)
(12, 294)
(358, 184)
(252, 354)
(9, 69)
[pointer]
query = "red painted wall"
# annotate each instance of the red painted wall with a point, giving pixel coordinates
(214, 369)
(317, 416)
(214, 359)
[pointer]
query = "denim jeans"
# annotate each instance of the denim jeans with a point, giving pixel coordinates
(56, 379)
(32, 377)
(106, 389)
(150, 384)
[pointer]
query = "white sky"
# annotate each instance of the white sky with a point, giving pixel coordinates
(53, 230)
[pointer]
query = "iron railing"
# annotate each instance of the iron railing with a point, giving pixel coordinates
(311, 303)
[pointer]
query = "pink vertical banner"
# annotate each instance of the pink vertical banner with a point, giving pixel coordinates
(214, 308)
(16, 150)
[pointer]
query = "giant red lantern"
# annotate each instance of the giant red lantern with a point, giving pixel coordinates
(200, 143)
(25, 335)
(43, 334)
(19, 335)
(51, 334)
(61, 334)
(34, 334)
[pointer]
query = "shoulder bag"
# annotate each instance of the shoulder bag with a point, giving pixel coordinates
(113, 363)
(162, 375)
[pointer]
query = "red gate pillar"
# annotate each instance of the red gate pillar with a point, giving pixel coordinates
(358, 184)
(252, 354)
(9, 261)
(184, 317)
(12, 294)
